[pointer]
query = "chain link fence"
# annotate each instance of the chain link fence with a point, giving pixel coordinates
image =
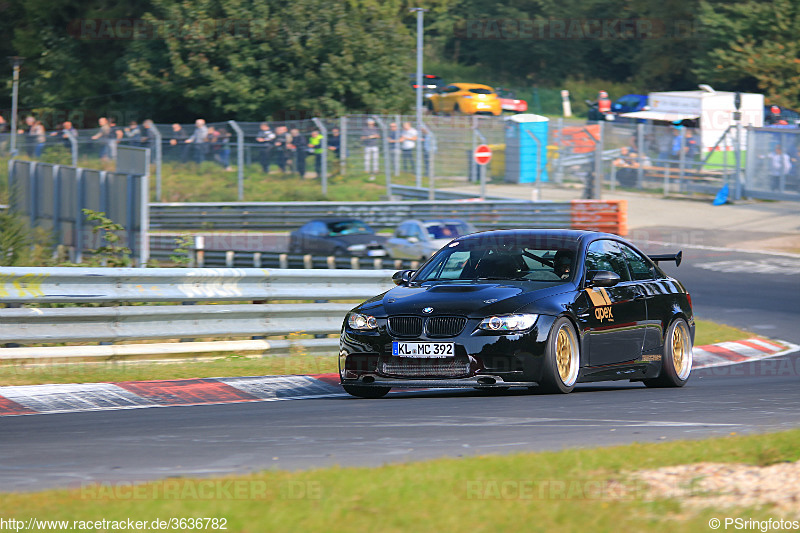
(631, 155)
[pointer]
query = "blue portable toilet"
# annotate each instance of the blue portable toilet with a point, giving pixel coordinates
(523, 153)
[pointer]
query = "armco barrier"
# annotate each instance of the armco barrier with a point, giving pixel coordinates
(114, 321)
(484, 214)
(282, 216)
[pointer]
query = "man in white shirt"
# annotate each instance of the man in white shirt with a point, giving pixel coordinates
(779, 167)
(407, 144)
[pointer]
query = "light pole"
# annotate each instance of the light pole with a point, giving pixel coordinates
(419, 12)
(16, 62)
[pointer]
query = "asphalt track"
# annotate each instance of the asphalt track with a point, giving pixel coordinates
(63, 450)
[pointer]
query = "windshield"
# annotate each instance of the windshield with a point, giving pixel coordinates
(522, 258)
(348, 227)
(449, 230)
(481, 91)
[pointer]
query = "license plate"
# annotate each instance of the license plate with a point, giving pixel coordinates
(423, 349)
(376, 253)
(483, 106)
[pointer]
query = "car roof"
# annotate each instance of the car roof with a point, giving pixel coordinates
(461, 85)
(335, 219)
(565, 234)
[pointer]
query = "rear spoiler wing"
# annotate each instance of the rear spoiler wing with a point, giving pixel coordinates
(657, 258)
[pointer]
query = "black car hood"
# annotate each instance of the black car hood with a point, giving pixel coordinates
(468, 299)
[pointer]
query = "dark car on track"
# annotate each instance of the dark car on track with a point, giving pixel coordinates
(531, 308)
(337, 236)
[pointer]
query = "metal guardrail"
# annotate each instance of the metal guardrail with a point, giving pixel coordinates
(248, 259)
(39, 324)
(271, 216)
(115, 285)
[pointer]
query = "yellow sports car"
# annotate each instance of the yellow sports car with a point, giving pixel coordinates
(466, 98)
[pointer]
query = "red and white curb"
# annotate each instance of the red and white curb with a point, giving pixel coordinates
(737, 352)
(75, 397)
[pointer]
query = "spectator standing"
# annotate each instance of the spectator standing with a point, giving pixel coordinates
(106, 137)
(370, 140)
(428, 148)
(39, 137)
(692, 145)
(67, 130)
(199, 140)
(30, 141)
(224, 152)
(133, 133)
(283, 141)
(300, 147)
(335, 142)
(315, 147)
(266, 138)
(394, 146)
(147, 136)
(178, 141)
(603, 103)
(779, 167)
(407, 144)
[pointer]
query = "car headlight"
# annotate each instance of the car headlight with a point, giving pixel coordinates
(356, 247)
(361, 322)
(509, 322)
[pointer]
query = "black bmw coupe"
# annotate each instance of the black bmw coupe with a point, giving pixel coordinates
(531, 308)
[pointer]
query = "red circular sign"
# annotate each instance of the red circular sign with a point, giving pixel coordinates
(482, 154)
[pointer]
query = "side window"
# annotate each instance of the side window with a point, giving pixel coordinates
(639, 266)
(402, 231)
(605, 255)
(317, 229)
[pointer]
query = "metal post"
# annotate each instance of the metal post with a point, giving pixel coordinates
(597, 186)
(559, 177)
(640, 149)
(738, 170)
(431, 152)
(324, 177)
(144, 212)
(420, 11)
(682, 161)
(387, 159)
(396, 149)
(158, 155)
(481, 168)
(16, 61)
(239, 156)
(343, 145)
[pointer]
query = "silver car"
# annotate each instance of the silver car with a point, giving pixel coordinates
(420, 239)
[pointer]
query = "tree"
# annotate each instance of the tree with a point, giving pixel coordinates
(753, 46)
(251, 59)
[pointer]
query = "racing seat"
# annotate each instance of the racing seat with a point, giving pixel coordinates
(497, 266)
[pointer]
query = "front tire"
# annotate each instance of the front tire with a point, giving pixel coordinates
(677, 358)
(366, 392)
(562, 358)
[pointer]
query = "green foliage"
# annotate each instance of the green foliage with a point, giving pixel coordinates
(182, 255)
(753, 45)
(111, 253)
(19, 244)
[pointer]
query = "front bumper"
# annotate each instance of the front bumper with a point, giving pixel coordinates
(482, 359)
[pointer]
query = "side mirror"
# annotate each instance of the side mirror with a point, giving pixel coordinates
(402, 277)
(603, 278)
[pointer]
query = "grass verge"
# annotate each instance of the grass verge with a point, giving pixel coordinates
(13, 373)
(549, 491)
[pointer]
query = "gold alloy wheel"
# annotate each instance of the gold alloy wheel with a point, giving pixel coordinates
(566, 356)
(681, 351)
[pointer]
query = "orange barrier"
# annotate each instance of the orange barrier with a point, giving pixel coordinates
(579, 139)
(610, 216)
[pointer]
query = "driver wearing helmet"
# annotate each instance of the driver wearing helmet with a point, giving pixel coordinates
(562, 264)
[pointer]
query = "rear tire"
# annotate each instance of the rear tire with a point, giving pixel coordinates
(676, 359)
(366, 392)
(562, 358)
